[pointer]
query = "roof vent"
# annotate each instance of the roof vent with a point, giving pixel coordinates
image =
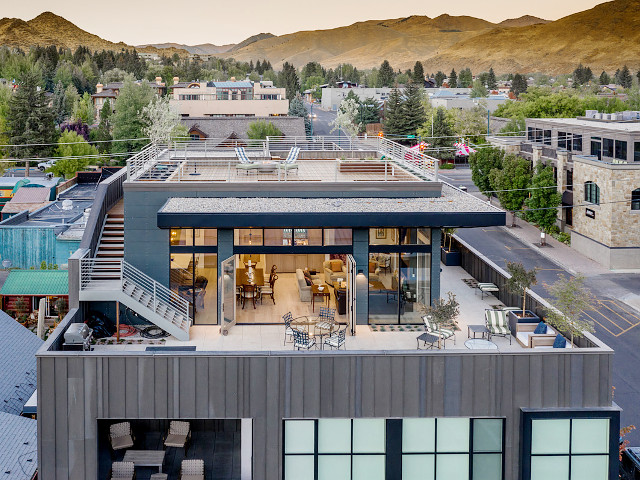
(67, 204)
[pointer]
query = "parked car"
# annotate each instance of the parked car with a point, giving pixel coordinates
(42, 166)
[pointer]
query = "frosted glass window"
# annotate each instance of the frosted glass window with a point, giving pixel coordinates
(453, 435)
(368, 467)
(334, 467)
(418, 467)
(299, 436)
(550, 436)
(298, 467)
(550, 468)
(368, 435)
(334, 436)
(487, 466)
(589, 467)
(452, 467)
(487, 435)
(418, 435)
(590, 435)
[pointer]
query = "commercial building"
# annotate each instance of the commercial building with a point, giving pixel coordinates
(596, 160)
(229, 99)
(331, 97)
(463, 101)
(201, 233)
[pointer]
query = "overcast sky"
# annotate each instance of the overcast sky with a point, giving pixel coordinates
(154, 21)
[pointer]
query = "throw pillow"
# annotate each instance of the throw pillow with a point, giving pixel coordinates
(308, 280)
(559, 342)
(541, 328)
(336, 265)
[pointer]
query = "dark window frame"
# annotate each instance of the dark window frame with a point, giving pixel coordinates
(591, 193)
(635, 199)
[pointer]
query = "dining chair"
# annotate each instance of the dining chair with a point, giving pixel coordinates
(337, 339)
(302, 340)
(288, 330)
(269, 290)
(249, 291)
(326, 319)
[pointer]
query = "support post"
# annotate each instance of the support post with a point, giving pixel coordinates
(117, 321)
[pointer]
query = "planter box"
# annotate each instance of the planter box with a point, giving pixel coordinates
(514, 318)
(450, 259)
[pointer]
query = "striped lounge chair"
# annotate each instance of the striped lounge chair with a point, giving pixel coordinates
(497, 323)
(245, 164)
(290, 162)
(434, 329)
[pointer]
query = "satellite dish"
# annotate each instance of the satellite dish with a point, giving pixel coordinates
(6, 264)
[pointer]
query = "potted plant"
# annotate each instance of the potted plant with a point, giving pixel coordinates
(520, 281)
(62, 308)
(20, 307)
(444, 312)
(570, 299)
(448, 256)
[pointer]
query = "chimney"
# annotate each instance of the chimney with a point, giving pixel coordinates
(99, 87)
(233, 79)
(176, 80)
(158, 80)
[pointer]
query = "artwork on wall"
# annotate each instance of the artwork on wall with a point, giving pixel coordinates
(381, 233)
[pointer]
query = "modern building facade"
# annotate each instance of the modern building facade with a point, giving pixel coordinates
(596, 160)
(331, 97)
(463, 101)
(194, 224)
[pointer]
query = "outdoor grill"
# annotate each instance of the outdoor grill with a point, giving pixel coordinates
(78, 335)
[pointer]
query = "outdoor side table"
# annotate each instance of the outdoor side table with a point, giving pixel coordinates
(145, 458)
(428, 339)
(479, 344)
(476, 329)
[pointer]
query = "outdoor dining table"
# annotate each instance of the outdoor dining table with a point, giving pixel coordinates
(307, 321)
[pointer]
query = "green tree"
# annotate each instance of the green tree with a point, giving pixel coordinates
(511, 183)
(518, 84)
(440, 77)
(479, 90)
(102, 134)
(570, 299)
(5, 96)
(297, 109)
(605, 79)
(393, 115)
(59, 104)
(520, 281)
(625, 78)
(386, 75)
(418, 73)
(83, 109)
(413, 108)
(289, 80)
(482, 163)
(465, 79)
(453, 79)
(30, 120)
(439, 134)
(162, 121)
(515, 127)
(544, 199)
(347, 117)
(73, 150)
(491, 80)
(370, 110)
(128, 123)
(261, 129)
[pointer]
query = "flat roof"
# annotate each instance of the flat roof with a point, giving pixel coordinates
(621, 126)
(36, 282)
(452, 208)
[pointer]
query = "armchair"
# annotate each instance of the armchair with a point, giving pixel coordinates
(179, 435)
(334, 269)
(120, 436)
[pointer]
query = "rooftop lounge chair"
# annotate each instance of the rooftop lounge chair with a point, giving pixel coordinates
(192, 470)
(123, 470)
(179, 435)
(290, 162)
(245, 163)
(434, 329)
(497, 323)
(120, 436)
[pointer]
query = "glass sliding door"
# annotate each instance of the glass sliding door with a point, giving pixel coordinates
(351, 294)
(228, 289)
(181, 277)
(205, 289)
(415, 280)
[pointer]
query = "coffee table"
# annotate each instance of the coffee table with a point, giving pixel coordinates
(476, 329)
(479, 344)
(145, 458)
(266, 167)
(428, 339)
(316, 292)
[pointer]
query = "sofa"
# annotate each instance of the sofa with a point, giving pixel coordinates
(304, 290)
(333, 270)
(528, 339)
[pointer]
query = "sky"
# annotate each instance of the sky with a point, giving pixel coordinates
(137, 22)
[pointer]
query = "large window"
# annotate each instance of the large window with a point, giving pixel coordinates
(636, 152)
(635, 199)
(417, 448)
(607, 147)
(310, 237)
(577, 143)
(194, 277)
(621, 150)
(547, 137)
(562, 139)
(188, 237)
(591, 193)
(596, 147)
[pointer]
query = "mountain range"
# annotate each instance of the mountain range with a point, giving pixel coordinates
(604, 37)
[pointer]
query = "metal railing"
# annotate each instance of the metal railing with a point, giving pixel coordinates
(144, 159)
(118, 271)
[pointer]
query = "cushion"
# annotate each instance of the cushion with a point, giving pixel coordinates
(372, 267)
(559, 342)
(192, 477)
(541, 328)
(174, 440)
(336, 265)
(121, 442)
(308, 281)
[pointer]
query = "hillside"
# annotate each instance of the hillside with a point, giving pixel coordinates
(523, 21)
(201, 49)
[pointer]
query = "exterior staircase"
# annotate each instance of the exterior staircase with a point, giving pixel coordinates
(108, 277)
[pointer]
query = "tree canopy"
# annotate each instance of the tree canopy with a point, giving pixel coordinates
(128, 123)
(511, 183)
(261, 129)
(544, 200)
(70, 144)
(482, 163)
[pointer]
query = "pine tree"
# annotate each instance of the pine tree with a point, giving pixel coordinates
(518, 84)
(418, 73)
(288, 79)
(465, 79)
(30, 120)
(369, 111)
(442, 139)
(439, 77)
(638, 76)
(385, 75)
(605, 79)
(625, 78)
(453, 79)
(297, 109)
(491, 80)
(412, 108)
(59, 104)
(393, 114)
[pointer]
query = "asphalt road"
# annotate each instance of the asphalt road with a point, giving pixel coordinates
(321, 120)
(615, 322)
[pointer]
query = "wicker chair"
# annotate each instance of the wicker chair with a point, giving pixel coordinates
(123, 470)
(179, 435)
(120, 436)
(192, 470)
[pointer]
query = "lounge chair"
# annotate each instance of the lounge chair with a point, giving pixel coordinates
(192, 470)
(290, 162)
(497, 323)
(434, 329)
(179, 435)
(245, 164)
(123, 470)
(120, 436)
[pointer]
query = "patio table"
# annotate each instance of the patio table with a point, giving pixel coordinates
(145, 458)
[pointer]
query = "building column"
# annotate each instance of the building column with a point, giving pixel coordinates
(225, 250)
(562, 161)
(436, 235)
(361, 256)
(536, 155)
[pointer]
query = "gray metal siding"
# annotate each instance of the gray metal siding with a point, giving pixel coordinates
(76, 390)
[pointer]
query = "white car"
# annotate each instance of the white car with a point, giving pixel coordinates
(42, 166)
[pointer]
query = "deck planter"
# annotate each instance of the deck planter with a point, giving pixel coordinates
(515, 318)
(450, 258)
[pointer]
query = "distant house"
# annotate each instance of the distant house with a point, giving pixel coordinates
(33, 285)
(9, 186)
(110, 92)
(235, 129)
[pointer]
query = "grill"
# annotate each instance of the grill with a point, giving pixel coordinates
(77, 336)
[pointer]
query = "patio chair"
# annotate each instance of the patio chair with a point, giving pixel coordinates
(120, 436)
(326, 318)
(497, 323)
(434, 329)
(123, 470)
(245, 164)
(192, 470)
(249, 292)
(290, 161)
(301, 340)
(337, 339)
(288, 331)
(178, 435)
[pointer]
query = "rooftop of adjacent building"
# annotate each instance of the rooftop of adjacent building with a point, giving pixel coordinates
(627, 121)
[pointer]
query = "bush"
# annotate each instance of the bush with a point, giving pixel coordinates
(562, 237)
(261, 129)
(447, 166)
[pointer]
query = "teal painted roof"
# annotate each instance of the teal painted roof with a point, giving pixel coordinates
(36, 282)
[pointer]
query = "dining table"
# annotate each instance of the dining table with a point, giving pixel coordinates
(243, 278)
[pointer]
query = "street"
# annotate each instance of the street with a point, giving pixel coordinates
(321, 120)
